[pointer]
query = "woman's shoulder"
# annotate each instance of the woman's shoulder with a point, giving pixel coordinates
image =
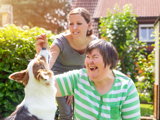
(61, 41)
(119, 75)
(61, 37)
(123, 80)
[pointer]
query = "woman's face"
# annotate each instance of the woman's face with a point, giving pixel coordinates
(78, 26)
(95, 66)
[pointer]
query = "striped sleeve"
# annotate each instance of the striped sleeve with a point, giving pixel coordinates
(67, 81)
(131, 106)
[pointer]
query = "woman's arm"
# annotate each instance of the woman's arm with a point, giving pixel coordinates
(41, 41)
(131, 106)
(54, 52)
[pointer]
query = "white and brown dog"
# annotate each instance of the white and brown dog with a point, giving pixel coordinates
(39, 101)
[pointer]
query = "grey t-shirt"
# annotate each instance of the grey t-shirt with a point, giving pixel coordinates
(68, 58)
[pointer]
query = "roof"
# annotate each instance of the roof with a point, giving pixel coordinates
(87, 4)
(142, 8)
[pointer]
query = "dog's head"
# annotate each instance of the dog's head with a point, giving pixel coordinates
(37, 70)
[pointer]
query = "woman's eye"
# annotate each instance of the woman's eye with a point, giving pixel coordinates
(79, 23)
(71, 24)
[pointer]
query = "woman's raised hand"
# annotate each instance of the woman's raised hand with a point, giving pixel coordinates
(41, 41)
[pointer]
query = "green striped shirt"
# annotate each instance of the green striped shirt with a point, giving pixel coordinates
(121, 102)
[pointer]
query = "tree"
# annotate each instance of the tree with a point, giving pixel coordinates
(48, 14)
(120, 29)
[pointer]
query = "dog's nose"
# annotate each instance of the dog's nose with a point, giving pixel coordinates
(43, 48)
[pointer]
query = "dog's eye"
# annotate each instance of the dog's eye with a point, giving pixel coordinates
(41, 58)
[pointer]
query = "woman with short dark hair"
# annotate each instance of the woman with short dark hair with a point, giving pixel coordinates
(100, 92)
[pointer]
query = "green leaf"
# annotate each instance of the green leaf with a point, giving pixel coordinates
(2, 85)
(1, 95)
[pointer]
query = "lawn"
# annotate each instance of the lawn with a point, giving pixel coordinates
(146, 109)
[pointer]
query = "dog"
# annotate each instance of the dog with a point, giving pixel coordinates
(39, 101)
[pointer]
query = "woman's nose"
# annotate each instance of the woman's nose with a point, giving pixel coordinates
(90, 60)
(75, 26)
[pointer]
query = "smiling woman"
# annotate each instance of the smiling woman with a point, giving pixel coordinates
(100, 73)
(68, 51)
(100, 92)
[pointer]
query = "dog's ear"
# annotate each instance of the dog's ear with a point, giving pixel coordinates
(21, 76)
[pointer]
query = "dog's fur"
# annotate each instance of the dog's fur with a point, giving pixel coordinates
(39, 101)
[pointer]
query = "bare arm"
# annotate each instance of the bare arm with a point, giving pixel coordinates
(41, 41)
(54, 52)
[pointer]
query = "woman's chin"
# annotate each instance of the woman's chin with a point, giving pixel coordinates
(93, 77)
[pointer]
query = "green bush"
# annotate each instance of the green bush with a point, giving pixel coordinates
(119, 27)
(145, 98)
(17, 49)
(146, 77)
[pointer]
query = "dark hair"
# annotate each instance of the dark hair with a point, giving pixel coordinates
(85, 14)
(106, 49)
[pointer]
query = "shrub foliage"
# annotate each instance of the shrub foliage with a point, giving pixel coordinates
(146, 76)
(17, 49)
(119, 27)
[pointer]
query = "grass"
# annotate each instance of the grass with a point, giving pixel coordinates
(146, 109)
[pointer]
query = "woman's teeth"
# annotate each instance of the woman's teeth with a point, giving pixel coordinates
(93, 68)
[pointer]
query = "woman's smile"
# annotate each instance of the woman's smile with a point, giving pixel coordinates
(93, 68)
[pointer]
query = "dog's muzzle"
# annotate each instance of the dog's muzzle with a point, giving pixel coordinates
(44, 52)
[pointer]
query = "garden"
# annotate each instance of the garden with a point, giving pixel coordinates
(17, 49)
(120, 29)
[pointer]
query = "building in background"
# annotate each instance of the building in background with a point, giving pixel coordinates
(146, 10)
(6, 14)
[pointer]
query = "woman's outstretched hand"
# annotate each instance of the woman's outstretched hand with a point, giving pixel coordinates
(41, 41)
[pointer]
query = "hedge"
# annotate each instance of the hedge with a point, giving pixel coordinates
(16, 50)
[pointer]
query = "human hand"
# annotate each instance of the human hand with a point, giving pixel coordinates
(41, 41)
(69, 99)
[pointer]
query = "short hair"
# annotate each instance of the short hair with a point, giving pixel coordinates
(85, 14)
(106, 49)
